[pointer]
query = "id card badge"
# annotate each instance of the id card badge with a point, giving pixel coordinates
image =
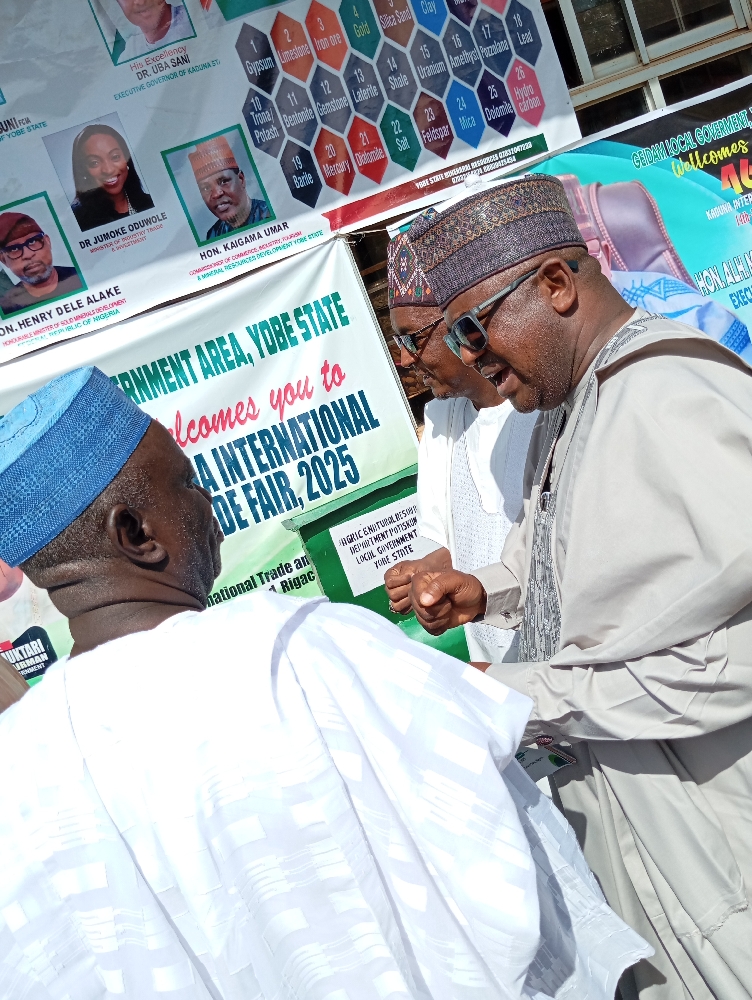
(539, 762)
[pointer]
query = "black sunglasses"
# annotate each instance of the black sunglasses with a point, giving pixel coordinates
(468, 331)
(409, 340)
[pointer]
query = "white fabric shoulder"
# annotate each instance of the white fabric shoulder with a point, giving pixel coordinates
(434, 465)
(497, 442)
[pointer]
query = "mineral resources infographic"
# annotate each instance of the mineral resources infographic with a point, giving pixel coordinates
(149, 150)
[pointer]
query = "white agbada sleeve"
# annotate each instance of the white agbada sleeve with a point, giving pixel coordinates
(341, 817)
(434, 467)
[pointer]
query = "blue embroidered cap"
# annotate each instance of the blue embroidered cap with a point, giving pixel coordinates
(59, 449)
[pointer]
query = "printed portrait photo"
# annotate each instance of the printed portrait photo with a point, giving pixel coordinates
(98, 172)
(218, 185)
(133, 28)
(37, 263)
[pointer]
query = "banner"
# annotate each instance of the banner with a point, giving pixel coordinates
(665, 205)
(282, 392)
(151, 149)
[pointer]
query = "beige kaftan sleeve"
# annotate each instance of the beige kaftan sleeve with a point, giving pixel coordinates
(656, 588)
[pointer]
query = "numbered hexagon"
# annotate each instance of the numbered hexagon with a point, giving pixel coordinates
(395, 19)
(293, 50)
(301, 174)
(464, 110)
(327, 35)
(257, 58)
(433, 125)
(492, 41)
(462, 9)
(363, 88)
(263, 123)
(396, 76)
(495, 104)
(463, 57)
(331, 100)
(334, 161)
(525, 92)
(296, 111)
(367, 149)
(429, 63)
(523, 32)
(430, 14)
(400, 137)
(360, 26)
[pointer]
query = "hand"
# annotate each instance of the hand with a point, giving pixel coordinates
(446, 600)
(480, 665)
(397, 578)
(397, 582)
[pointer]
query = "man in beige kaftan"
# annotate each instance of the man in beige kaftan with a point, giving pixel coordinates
(629, 575)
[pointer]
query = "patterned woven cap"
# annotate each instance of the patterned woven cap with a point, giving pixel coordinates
(488, 232)
(59, 449)
(407, 283)
(212, 156)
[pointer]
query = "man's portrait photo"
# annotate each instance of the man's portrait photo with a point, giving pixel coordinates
(218, 185)
(37, 262)
(133, 28)
(98, 172)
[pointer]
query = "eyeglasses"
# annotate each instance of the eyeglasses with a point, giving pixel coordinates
(15, 250)
(409, 340)
(468, 331)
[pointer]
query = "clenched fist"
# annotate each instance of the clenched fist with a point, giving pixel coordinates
(445, 600)
(397, 578)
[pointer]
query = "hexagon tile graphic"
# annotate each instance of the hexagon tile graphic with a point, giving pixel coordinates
(301, 174)
(523, 32)
(326, 33)
(492, 41)
(462, 54)
(463, 9)
(430, 65)
(430, 14)
(525, 92)
(395, 20)
(465, 113)
(256, 56)
(331, 101)
(334, 161)
(396, 76)
(363, 87)
(263, 123)
(367, 149)
(495, 104)
(433, 125)
(296, 111)
(400, 137)
(360, 26)
(289, 39)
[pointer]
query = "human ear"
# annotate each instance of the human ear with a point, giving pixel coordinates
(556, 282)
(130, 537)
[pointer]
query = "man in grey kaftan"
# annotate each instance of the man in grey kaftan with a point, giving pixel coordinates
(629, 575)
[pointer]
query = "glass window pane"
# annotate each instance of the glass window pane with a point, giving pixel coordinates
(661, 19)
(612, 111)
(700, 79)
(563, 46)
(604, 29)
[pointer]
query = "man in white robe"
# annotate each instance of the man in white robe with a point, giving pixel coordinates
(471, 456)
(629, 573)
(273, 798)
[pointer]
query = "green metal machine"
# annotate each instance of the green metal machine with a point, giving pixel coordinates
(321, 532)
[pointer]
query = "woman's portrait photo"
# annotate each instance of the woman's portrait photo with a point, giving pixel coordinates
(133, 28)
(97, 170)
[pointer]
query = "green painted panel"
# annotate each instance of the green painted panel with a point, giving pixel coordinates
(314, 530)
